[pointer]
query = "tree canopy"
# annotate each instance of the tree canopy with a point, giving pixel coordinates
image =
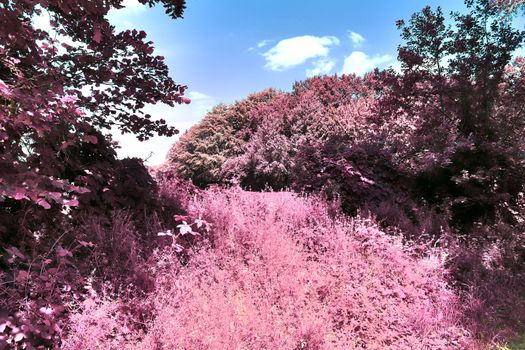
(61, 86)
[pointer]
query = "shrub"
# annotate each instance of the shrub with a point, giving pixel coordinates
(278, 272)
(488, 273)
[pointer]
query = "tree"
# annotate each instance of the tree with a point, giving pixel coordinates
(456, 78)
(61, 87)
(201, 153)
(510, 5)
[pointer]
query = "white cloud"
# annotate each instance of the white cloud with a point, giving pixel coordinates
(322, 66)
(121, 18)
(182, 117)
(294, 51)
(357, 39)
(132, 6)
(198, 96)
(396, 66)
(519, 52)
(359, 63)
(263, 43)
(43, 22)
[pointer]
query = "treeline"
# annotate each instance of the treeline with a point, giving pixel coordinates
(445, 134)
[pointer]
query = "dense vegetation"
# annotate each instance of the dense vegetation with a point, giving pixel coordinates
(447, 129)
(401, 224)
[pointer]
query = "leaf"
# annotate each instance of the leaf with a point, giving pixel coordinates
(80, 190)
(180, 217)
(46, 311)
(63, 252)
(97, 35)
(199, 222)
(167, 233)
(184, 228)
(22, 276)
(178, 248)
(4, 89)
(15, 252)
(66, 144)
(91, 139)
(54, 196)
(72, 202)
(43, 203)
(19, 196)
(86, 244)
(68, 99)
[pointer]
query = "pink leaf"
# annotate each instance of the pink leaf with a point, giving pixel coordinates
(80, 190)
(178, 248)
(63, 252)
(22, 276)
(20, 195)
(184, 228)
(97, 35)
(68, 99)
(43, 203)
(72, 202)
(46, 311)
(199, 222)
(4, 89)
(54, 195)
(13, 251)
(91, 139)
(86, 244)
(180, 217)
(166, 233)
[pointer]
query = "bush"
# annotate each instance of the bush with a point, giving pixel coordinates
(278, 272)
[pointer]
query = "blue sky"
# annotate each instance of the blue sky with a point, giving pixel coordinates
(226, 49)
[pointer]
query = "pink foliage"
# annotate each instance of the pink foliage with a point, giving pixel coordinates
(277, 270)
(102, 324)
(100, 253)
(280, 273)
(509, 5)
(53, 106)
